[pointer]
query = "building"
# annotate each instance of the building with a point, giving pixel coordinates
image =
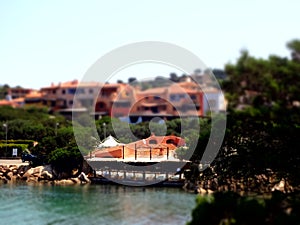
(114, 100)
(34, 98)
(183, 99)
(14, 103)
(129, 103)
(153, 147)
(19, 92)
(213, 101)
(60, 97)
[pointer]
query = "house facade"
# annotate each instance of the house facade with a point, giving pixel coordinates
(184, 99)
(61, 97)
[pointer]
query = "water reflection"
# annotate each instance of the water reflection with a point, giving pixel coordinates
(94, 204)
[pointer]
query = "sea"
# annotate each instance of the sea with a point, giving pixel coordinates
(40, 204)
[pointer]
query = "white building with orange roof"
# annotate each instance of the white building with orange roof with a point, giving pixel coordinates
(153, 147)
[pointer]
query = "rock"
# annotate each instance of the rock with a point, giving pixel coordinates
(9, 175)
(74, 172)
(63, 175)
(34, 172)
(3, 179)
(209, 191)
(76, 180)
(83, 178)
(201, 190)
(279, 186)
(32, 179)
(64, 182)
(46, 175)
(13, 167)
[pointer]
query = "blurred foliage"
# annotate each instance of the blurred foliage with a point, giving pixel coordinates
(263, 121)
(228, 208)
(66, 159)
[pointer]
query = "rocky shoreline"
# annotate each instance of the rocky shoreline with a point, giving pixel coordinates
(41, 174)
(263, 183)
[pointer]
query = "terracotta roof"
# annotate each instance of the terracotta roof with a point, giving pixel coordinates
(74, 84)
(34, 94)
(153, 90)
(13, 103)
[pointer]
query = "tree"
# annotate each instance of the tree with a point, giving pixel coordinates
(132, 80)
(294, 46)
(174, 77)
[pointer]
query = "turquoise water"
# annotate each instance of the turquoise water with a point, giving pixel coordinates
(93, 204)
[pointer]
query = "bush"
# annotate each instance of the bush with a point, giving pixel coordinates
(6, 150)
(230, 208)
(66, 159)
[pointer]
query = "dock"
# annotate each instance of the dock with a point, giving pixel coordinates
(139, 173)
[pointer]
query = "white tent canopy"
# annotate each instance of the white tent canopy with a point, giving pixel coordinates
(110, 141)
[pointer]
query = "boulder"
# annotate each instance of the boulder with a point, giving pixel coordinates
(200, 191)
(64, 182)
(36, 171)
(13, 167)
(9, 175)
(32, 179)
(46, 175)
(84, 178)
(3, 179)
(76, 180)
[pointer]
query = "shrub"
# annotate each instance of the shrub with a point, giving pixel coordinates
(228, 208)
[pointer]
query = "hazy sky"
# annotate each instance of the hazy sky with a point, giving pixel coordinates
(56, 41)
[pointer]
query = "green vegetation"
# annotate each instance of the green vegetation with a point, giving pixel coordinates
(261, 144)
(3, 91)
(28, 125)
(228, 208)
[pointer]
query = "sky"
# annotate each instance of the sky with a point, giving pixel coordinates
(44, 42)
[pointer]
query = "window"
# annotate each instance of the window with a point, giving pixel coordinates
(71, 91)
(101, 105)
(193, 97)
(152, 142)
(80, 91)
(170, 141)
(174, 98)
(154, 109)
(63, 91)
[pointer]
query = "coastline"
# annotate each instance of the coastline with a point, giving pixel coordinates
(12, 172)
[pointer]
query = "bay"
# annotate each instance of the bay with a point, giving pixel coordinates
(93, 204)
